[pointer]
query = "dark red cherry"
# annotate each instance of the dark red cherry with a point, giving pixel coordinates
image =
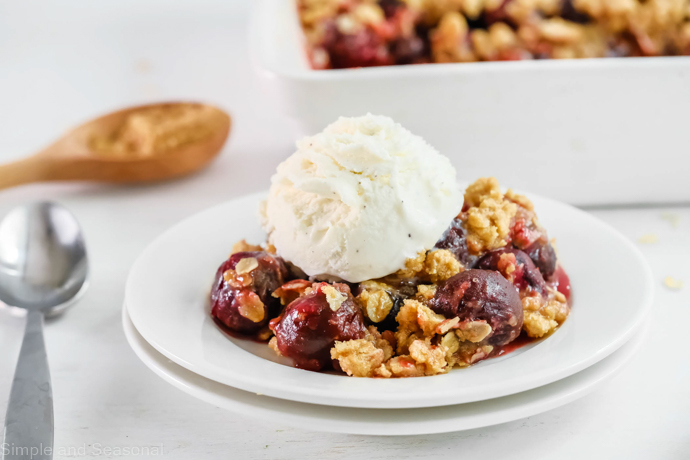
(543, 255)
(408, 50)
(454, 239)
(482, 295)
(364, 48)
(391, 7)
(308, 328)
(243, 302)
(516, 266)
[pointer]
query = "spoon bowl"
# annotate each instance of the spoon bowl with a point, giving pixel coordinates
(73, 157)
(43, 263)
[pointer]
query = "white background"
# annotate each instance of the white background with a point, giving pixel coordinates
(64, 62)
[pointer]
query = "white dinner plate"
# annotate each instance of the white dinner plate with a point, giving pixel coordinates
(167, 296)
(382, 422)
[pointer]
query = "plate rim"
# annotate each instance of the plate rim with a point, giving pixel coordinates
(562, 392)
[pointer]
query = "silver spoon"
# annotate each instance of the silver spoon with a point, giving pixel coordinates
(43, 269)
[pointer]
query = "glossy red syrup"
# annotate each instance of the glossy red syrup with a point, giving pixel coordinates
(559, 281)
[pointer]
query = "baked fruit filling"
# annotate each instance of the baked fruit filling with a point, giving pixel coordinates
(364, 33)
(491, 283)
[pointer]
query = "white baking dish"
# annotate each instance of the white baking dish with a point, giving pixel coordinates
(593, 131)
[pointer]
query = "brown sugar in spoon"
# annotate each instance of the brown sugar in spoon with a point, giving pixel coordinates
(139, 144)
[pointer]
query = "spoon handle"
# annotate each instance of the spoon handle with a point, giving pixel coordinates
(29, 420)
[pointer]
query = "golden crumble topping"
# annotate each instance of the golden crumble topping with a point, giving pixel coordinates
(544, 315)
(447, 39)
(507, 265)
(426, 291)
(273, 345)
(447, 325)
(237, 280)
(291, 290)
(364, 357)
(264, 334)
(246, 265)
(460, 343)
(559, 30)
(435, 10)
(502, 36)
(413, 266)
(251, 307)
(451, 343)
(531, 303)
(380, 341)
(383, 371)
(376, 303)
(417, 321)
(440, 265)
(312, 11)
(433, 357)
(490, 216)
(369, 14)
(537, 325)
(416, 316)
(482, 189)
(405, 366)
(462, 353)
(334, 297)
(488, 224)
(471, 352)
(404, 339)
(435, 265)
(358, 358)
(473, 331)
(522, 200)
(243, 246)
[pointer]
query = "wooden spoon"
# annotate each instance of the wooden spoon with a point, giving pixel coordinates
(73, 156)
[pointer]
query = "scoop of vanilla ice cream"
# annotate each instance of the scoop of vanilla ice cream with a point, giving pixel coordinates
(357, 200)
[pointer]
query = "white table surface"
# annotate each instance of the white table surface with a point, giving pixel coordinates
(64, 62)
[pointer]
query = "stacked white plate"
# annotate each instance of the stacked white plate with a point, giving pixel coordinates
(167, 324)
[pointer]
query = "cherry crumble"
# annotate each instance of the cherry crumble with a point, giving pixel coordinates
(491, 283)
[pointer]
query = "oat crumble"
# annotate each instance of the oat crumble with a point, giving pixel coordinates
(544, 315)
(334, 297)
(375, 301)
(246, 265)
(435, 265)
(243, 246)
(488, 224)
(251, 307)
